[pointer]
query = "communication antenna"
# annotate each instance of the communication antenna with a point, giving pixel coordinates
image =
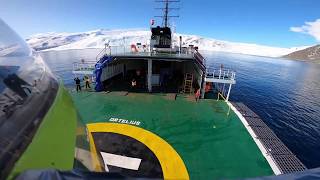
(166, 10)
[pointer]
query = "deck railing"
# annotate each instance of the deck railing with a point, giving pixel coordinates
(145, 50)
(86, 67)
(221, 77)
(200, 59)
(220, 73)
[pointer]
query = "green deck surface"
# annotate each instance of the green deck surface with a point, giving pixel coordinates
(212, 144)
(54, 142)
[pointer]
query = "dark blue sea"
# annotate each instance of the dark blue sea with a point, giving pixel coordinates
(284, 93)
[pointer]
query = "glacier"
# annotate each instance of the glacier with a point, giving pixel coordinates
(53, 41)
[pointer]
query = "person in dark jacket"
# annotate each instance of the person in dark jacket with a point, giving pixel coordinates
(78, 86)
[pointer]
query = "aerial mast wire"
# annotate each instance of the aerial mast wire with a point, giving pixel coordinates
(165, 17)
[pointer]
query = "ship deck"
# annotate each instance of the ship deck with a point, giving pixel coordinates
(209, 137)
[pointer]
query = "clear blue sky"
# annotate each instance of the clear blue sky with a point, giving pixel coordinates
(265, 22)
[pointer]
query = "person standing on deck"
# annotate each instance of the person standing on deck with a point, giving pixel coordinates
(133, 85)
(197, 95)
(208, 87)
(87, 81)
(78, 86)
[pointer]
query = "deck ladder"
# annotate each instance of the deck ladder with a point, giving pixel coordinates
(188, 80)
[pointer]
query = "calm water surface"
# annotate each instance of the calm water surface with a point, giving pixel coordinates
(285, 93)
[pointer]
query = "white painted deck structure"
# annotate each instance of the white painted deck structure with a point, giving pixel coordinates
(221, 76)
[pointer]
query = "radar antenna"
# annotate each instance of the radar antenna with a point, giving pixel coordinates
(165, 17)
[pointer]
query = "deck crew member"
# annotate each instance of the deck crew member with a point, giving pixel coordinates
(87, 81)
(133, 84)
(78, 87)
(197, 95)
(208, 87)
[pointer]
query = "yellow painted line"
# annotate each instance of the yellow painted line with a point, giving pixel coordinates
(94, 155)
(171, 163)
(219, 94)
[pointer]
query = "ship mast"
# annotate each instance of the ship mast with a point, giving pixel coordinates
(166, 11)
(165, 17)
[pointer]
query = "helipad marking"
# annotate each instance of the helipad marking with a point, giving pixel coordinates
(171, 163)
(125, 121)
(120, 161)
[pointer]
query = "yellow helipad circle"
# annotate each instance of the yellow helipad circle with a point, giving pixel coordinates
(171, 163)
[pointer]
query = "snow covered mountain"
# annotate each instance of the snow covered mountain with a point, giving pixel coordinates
(97, 39)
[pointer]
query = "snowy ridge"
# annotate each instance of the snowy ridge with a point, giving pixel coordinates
(311, 54)
(97, 39)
